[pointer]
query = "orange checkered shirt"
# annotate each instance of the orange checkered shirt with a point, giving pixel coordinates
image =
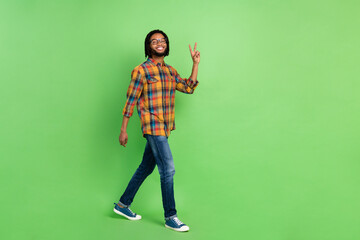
(152, 89)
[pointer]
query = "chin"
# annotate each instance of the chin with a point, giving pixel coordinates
(159, 54)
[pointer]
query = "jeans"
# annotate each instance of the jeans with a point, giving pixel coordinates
(157, 152)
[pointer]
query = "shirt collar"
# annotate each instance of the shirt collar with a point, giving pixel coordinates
(156, 63)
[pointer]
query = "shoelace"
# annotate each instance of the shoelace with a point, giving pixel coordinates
(128, 209)
(177, 221)
(131, 211)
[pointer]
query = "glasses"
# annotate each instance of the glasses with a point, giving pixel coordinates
(157, 41)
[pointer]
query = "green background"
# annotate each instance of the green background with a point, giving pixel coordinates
(266, 147)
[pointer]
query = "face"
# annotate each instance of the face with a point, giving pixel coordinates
(157, 46)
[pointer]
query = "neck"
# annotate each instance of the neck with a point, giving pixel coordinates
(158, 59)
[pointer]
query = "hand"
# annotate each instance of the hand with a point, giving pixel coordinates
(123, 138)
(195, 55)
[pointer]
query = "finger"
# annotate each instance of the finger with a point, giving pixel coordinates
(195, 46)
(190, 50)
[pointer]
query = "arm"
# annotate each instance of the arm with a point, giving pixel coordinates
(195, 55)
(133, 94)
(188, 85)
(194, 71)
(123, 134)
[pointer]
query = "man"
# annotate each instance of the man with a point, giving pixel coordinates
(152, 88)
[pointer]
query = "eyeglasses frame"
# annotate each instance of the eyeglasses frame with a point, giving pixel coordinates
(158, 40)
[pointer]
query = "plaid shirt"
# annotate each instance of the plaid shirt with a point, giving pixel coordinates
(152, 88)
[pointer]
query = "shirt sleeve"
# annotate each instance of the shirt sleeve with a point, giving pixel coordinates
(185, 85)
(133, 93)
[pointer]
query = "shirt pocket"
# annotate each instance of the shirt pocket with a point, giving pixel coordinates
(153, 79)
(153, 91)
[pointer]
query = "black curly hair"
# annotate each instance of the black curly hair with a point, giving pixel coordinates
(147, 43)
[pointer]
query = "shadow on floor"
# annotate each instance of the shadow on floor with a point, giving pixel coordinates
(148, 217)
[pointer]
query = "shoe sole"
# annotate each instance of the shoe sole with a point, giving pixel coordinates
(178, 229)
(138, 217)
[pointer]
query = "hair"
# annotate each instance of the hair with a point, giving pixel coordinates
(147, 43)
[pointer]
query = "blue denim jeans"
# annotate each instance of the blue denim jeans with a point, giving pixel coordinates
(157, 152)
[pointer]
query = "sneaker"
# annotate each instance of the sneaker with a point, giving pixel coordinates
(176, 224)
(126, 212)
